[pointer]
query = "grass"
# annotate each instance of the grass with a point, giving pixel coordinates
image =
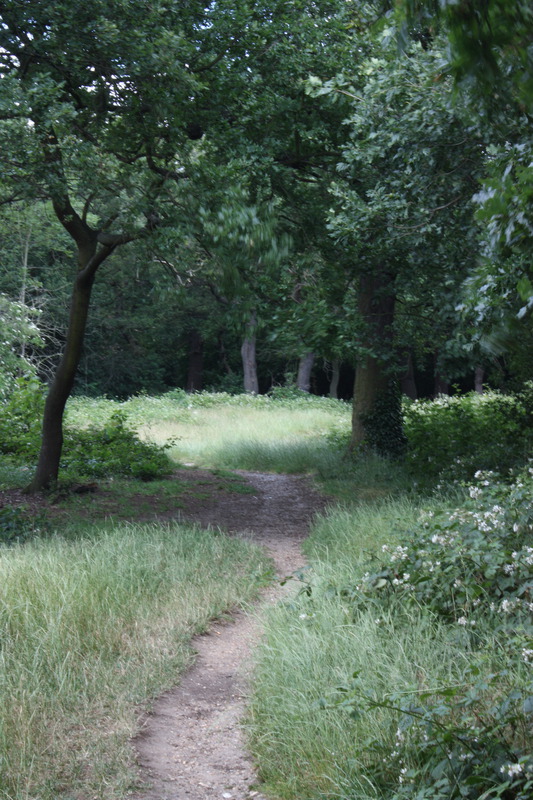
(96, 619)
(224, 431)
(92, 628)
(306, 750)
(301, 729)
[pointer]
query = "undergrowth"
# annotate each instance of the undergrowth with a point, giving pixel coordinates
(409, 650)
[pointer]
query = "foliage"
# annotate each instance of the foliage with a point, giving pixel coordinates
(13, 525)
(452, 437)
(467, 564)
(94, 452)
(490, 43)
(472, 567)
(20, 421)
(18, 334)
(433, 612)
(466, 741)
(112, 450)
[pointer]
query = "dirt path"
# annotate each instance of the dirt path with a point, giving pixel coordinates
(191, 746)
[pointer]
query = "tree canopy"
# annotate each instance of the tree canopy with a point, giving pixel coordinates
(281, 174)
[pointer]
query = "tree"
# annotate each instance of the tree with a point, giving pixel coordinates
(402, 208)
(118, 119)
(490, 56)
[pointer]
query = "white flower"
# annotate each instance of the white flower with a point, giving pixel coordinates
(512, 770)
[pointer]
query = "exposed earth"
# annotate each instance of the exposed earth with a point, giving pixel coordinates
(192, 745)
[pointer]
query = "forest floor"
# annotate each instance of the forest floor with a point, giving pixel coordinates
(192, 743)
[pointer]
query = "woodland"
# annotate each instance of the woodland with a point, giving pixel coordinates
(235, 196)
(248, 245)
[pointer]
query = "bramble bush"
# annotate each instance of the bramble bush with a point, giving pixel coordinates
(110, 450)
(452, 437)
(471, 567)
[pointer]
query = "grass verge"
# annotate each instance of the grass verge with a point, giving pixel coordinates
(91, 629)
(365, 690)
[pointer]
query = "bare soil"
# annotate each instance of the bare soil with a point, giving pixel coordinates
(192, 745)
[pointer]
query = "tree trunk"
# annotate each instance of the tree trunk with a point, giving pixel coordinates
(441, 385)
(478, 380)
(223, 355)
(196, 362)
(408, 383)
(372, 377)
(303, 381)
(47, 470)
(249, 363)
(335, 377)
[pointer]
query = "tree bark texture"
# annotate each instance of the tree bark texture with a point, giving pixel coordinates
(335, 377)
(52, 432)
(372, 377)
(196, 362)
(303, 380)
(249, 362)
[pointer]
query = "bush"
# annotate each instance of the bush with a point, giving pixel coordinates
(21, 419)
(112, 450)
(452, 437)
(467, 564)
(93, 452)
(13, 526)
(471, 567)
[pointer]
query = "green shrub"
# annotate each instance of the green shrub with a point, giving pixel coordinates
(473, 568)
(21, 419)
(452, 437)
(13, 526)
(93, 452)
(112, 450)
(469, 563)
(18, 525)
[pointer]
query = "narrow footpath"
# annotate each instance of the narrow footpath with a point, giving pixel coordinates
(192, 746)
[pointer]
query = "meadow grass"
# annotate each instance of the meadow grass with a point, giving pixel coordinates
(90, 629)
(232, 431)
(311, 648)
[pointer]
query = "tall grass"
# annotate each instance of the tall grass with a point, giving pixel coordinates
(310, 649)
(242, 431)
(305, 745)
(89, 630)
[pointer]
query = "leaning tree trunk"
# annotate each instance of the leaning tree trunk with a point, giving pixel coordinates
(52, 431)
(303, 381)
(249, 362)
(91, 255)
(374, 384)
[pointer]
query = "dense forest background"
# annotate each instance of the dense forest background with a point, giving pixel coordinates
(330, 195)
